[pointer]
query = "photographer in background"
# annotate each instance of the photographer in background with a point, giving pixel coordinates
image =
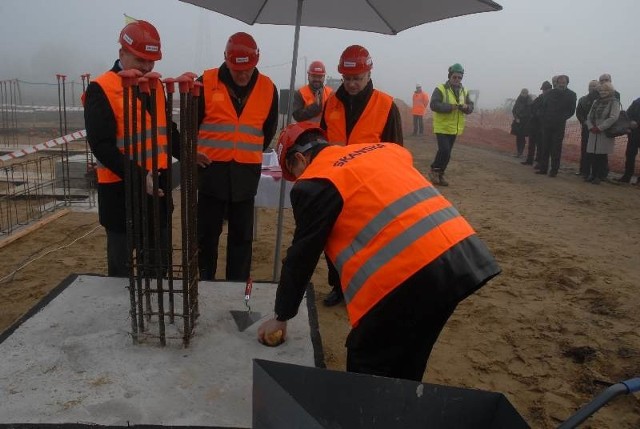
(450, 104)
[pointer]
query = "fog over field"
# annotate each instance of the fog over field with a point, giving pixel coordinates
(524, 44)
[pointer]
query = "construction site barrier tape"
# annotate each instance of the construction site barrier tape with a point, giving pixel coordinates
(42, 146)
(18, 108)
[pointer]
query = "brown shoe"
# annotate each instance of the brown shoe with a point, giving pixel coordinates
(443, 182)
(434, 177)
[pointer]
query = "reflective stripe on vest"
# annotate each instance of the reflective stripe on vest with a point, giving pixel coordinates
(392, 224)
(369, 126)
(420, 103)
(309, 97)
(111, 84)
(452, 122)
(223, 136)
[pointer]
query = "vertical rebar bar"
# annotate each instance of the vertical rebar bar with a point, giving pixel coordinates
(64, 102)
(127, 81)
(136, 187)
(170, 88)
(183, 87)
(193, 171)
(3, 112)
(58, 76)
(153, 79)
(14, 113)
(143, 85)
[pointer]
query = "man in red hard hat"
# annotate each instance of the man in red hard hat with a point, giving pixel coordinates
(104, 120)
(405, 256)
(309, 100)
(238, 117)
(358, 113)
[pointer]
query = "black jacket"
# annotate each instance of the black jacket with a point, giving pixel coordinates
(354, 105)
(633, 112)
(300, 112)
(536, 114)
(100, 123)
(584, 105)
(558, 105)
(234, 181)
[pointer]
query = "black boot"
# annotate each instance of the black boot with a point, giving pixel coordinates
(335, 297)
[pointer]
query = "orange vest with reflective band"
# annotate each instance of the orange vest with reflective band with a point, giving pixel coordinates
(420, 103)
(392, 224)
(224, 136)
(309, 97)
(111, 84)
(369, 126)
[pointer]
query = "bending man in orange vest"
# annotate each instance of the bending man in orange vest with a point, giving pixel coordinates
(104, 120)
(309, 100)
(405, 256)
(358, 113)
(238, 116)
(418, 109)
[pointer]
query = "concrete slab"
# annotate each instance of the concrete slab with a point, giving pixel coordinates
(73, 360)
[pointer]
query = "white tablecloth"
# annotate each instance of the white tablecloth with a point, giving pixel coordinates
(269, 190)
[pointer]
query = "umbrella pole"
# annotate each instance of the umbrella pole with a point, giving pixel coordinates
(294, 65)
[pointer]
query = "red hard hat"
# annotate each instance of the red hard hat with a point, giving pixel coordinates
(242, 52)
(142, 40)
(316, 68)
(287, 139)
(355, 60)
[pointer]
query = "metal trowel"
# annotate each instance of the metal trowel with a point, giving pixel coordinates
(246, 318)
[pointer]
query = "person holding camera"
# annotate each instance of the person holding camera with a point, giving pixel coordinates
(450, 104)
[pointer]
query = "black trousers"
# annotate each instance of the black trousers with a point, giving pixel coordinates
(418, 125)
(521, 141)
(395, 338)
(443, 156)
(533, 151)
(211, 214)
(552, 137)
(633, 146)
(584, 138)
(597, 165)
(118, 254)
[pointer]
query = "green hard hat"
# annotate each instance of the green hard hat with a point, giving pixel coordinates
(456, 68)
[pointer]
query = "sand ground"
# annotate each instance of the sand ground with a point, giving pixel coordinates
(554, 329)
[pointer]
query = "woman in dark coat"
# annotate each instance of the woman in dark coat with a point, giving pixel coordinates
(521, 115)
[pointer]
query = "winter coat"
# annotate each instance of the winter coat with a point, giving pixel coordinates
(558, 105)
(604, 113)
(521, 115)
(535, 122)
(584, 105)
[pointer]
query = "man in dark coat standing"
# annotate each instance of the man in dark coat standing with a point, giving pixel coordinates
(558, 106)
(535, 126)
(582, 111)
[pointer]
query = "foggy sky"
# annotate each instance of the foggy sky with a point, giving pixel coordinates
(519, 47)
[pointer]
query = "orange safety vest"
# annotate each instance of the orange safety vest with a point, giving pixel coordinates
(369, 126)
(309, 97)
(392, 224)
(224, 136)
(420, 103)
(111, 84)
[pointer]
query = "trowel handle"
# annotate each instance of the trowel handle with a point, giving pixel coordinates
(247, 289)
